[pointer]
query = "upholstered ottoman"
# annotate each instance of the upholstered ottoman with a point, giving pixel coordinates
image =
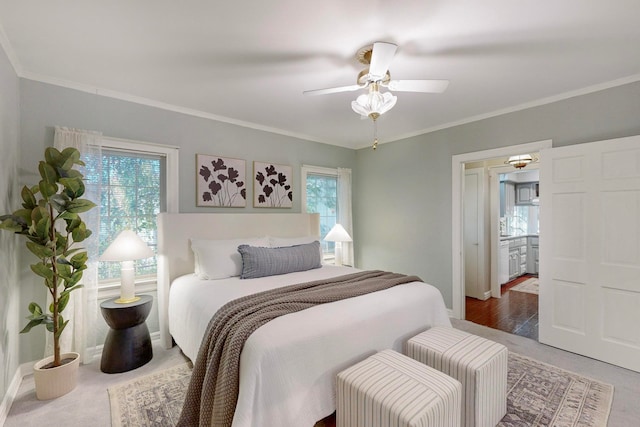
(390, 389)
(479, 364)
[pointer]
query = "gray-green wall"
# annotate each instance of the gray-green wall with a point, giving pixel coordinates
(9, 285)
(402, 191)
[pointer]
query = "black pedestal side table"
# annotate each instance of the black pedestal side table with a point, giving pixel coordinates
(128, 344)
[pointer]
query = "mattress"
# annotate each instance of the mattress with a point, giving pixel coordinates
(288, 366)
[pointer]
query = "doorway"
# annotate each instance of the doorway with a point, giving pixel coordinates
(512, 203)
(458, 178)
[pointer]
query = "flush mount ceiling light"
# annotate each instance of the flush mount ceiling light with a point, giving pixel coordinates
(521, 160)
(377, 58)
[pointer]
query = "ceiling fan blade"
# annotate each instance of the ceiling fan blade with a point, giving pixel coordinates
(334, 90)
(381, 58)
(427, 86)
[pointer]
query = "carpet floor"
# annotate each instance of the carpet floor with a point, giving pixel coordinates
(538, 395)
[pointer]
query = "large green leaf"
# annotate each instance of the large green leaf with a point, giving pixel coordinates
(64, 270)
(66, 215)
(35, 309)
(59, 202)
(73, 186)
(42, 270)
(31, 324)
(75, 278)
(28, 198)
(46, 189)
(80, 205)
(43, 226)
(79, 259)
(52, 156)
(22, 216)
(48, 173)
(61, 243)
(39, 250)
(79, 233)
(62, 302)
(73, 223)
(69, 157)
(10, 225)
(72, 155)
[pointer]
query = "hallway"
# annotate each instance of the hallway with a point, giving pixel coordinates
(516, 312)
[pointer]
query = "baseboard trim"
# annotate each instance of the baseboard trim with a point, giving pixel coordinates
(22, 371)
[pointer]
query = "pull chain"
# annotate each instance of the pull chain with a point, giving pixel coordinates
(375, 133)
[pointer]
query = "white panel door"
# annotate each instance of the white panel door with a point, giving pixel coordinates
(473, 233)
(590, 250)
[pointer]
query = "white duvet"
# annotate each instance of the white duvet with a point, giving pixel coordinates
(288, 366)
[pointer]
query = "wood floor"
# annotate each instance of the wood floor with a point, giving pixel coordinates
(515, 312)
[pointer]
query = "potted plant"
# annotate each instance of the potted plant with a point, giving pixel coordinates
(50, 221)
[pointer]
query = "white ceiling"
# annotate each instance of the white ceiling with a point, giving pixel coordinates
(248, 62)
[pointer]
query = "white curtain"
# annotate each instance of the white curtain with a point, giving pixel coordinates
(344, 212)
(82, 310)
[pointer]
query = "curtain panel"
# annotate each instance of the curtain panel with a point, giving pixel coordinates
(82, 310)
(345, 212)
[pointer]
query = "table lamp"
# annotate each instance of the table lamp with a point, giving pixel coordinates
(126, 248)
(338, 235)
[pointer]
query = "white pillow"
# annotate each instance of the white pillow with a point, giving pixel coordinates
(219, 259)
(279, 242)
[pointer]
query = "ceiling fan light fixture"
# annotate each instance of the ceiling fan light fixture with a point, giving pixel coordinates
(374, 102)
(520, 161)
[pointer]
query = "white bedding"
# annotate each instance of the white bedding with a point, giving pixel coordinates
(288, 366)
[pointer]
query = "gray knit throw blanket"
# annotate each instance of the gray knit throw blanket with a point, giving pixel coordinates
(213, 391)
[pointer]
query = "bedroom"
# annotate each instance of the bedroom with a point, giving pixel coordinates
(407, 230)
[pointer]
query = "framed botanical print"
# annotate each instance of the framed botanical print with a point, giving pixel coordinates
(220, 181)
(272, 186)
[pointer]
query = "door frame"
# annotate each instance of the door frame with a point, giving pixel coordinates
(457, 196)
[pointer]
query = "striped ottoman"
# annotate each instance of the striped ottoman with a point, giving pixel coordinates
(479, 364)
(389, 389)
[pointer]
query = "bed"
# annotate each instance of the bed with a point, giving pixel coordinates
(288, 366)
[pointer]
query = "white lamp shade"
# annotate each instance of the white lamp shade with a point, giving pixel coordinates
(338, 234)
(127, 246)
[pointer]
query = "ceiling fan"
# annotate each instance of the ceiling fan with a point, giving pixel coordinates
(377, 58)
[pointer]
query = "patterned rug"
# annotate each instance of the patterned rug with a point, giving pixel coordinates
(539, 395)
(154, 400)
(529, 286)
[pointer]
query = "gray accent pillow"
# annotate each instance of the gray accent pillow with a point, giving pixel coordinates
(261, 262)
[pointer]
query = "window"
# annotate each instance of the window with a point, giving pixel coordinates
(135, 187)
(322, 198)
(328, 192)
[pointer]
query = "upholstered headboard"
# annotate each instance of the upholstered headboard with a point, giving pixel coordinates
(175, 257)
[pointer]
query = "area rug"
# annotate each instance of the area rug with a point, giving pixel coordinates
(538, 395)
(529, 286)
(152, 400)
